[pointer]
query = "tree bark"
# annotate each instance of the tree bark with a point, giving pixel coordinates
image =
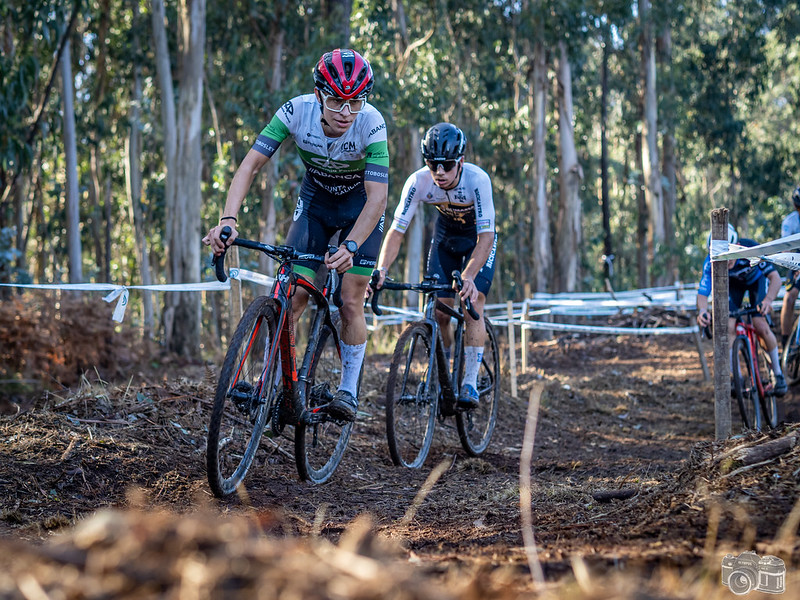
(650, 163)
(71, 163)
(542, 253)
(604, 199)
(668, 157)
(134, 181)
(185, 234)
(571, 174)
(642, 260)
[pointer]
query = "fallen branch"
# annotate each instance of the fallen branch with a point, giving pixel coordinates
(767, 450)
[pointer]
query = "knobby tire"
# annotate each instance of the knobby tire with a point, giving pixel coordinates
(744, 386)
(412, 396)
(245, 392)
(475, 426)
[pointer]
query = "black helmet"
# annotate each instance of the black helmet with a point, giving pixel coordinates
(343, 73)
(796, 197)
(443, 141)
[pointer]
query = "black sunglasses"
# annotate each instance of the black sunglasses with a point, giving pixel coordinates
(447, 165)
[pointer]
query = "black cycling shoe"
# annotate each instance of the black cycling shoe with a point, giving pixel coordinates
(343, 406)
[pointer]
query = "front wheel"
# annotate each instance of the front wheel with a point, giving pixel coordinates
(769, 401)
(744, 387)
(412, 396)
(475, 426)
(245, 392)
(320, 442)
(790, 357)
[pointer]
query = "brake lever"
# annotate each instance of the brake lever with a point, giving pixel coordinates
(218, 261)
(467, 302)
(373, 282)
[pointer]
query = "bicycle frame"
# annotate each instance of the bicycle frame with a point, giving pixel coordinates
(447, 380)
(287, 282)
(747, 330)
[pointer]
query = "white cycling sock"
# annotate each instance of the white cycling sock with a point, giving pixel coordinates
(473, 355)
(776, 361)
(352, 359)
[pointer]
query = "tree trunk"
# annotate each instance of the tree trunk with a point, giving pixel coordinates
(571, 174)
(542, 253)
(134, 180)
(650, 163)
(668, 151)
(604, 200)
(337, 13)
(642, 262)
(71, 163)
(185, 234)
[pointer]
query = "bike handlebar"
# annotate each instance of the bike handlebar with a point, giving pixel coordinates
(283, 253)
(426, 286)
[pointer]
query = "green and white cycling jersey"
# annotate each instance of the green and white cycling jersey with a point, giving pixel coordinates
(337, 165)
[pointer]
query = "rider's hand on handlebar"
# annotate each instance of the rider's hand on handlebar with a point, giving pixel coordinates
(703, 318)
(212, 238)
(468, 290)
(765, 307)
(342, 260)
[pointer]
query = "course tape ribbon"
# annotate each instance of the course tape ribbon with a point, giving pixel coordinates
(120, 293)
(721, 250)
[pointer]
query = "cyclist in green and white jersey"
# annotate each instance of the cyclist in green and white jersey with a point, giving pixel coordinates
(341, 140)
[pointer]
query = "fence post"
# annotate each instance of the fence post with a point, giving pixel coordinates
(523, 337)
(512, 352)
(236, 289)
(720, 314)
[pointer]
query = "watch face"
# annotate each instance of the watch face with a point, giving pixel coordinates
(351, 246)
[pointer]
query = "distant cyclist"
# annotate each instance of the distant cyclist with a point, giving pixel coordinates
(760, 282)
(464, 236)
(790, 226)
(341, 139)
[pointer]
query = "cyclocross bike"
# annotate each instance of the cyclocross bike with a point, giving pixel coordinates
(422, 387)
(260, 383)
(751, 370)
(790, 357)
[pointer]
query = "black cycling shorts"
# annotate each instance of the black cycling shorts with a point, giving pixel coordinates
(322, 219)
(450, 250)
(756, 293)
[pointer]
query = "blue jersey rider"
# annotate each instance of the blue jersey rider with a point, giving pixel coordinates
(761, 283)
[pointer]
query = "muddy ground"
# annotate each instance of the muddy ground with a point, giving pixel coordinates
(618, 414)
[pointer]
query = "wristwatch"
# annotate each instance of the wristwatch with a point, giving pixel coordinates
(351, 246)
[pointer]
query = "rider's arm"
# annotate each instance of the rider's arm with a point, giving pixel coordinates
(253, 162)
(772, 292)
(389, 251)
(703, 318)
(370, 215)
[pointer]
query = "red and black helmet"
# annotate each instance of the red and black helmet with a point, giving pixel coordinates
(343, 73)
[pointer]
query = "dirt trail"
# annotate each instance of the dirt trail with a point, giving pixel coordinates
(616, 414)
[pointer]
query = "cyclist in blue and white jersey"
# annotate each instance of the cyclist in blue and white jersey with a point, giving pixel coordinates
(761, 283)
(790, 226)
(341, 140)
(464, 236)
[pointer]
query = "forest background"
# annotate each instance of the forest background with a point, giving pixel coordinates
(608, 128)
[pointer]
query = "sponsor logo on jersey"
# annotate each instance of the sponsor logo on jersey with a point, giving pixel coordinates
(483, 224)
(349, 146)
(375, 174)
(267, 148)
(478, 203)
(380, 223)
(375, 130)
(328, 164)
(288, 110)
(411, 193)
(298, 210)
(490, 260)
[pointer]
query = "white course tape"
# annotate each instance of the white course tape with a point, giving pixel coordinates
(120, 293)
(598, 329)
(789, 260)
(257, 278)
(721, 251)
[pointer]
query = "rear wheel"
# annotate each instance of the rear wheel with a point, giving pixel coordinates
(743, 384)
(412, 395)
(245, 392)
(320, 442)
(790, 357)
(475, 426)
